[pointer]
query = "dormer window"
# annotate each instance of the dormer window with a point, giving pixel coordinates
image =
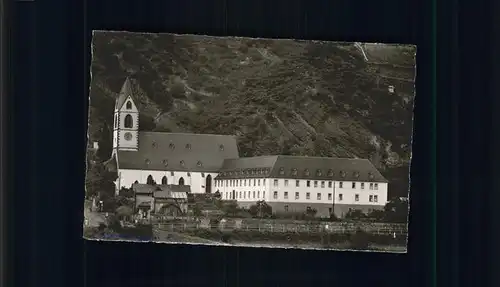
(129, 105)
(147, 161)
(165, 162)
(221, 147)
(155, 145)
(318, 172)
(282, 170)
(171, 146)
(370, 175)
(188, 146)
(294, 171)
(342, 174)
(306, 172)
(182, 163)
(330, 172)
(199, 164)
(356, 174)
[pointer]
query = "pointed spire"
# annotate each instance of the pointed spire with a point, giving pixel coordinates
(125, 92)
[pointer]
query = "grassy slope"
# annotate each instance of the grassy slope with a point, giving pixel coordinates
(285, 96)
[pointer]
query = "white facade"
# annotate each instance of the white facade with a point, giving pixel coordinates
(245, 190)
(196, 180)
(304, 191)
(126, 126)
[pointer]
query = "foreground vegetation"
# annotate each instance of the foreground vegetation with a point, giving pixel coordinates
(358, 240)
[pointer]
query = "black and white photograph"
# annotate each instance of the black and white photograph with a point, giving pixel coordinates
(249, 142)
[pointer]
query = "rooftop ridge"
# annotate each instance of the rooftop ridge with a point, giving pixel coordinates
(322, 157)
(191, 134)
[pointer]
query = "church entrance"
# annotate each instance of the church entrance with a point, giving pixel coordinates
(208, 184)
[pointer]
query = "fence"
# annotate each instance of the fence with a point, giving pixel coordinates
(282, 228)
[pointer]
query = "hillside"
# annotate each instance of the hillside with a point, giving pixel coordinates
(277, 96)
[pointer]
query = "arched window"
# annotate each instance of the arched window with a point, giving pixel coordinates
(208, 184)
(129, 105)
(150, 179)
(181, 181)
(128, 121)
(164, 180)
(136, 182)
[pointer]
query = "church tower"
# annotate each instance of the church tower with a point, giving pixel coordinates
(126, 120)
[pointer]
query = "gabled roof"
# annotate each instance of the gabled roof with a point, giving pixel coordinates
(249, 167)
(162, 191)
(179, 152)
(125, 92)
(302, 167)
(173, 191)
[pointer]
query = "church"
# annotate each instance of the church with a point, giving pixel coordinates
(164, 158)
(210, 163)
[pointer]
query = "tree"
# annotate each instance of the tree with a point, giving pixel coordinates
(355, 214)
(377, 215)
(311, 212)
(100, 181)
(197, 212)
(230, 208)
(396, 211)
(261, 209)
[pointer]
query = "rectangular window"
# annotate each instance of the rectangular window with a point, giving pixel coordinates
(308, 195)
(240, 195)
(245, 182)
(258, 194)
(241, 182)
(370, 198)
(286, 182)
(264, 194)
(341, 184)
(375, 198)
(275, 182)
(264, 181)
(286, 194)
(172, 173)
(353, 185)
(308, 183)
(286, 208)
(318, 196)
(341, 197)
(371, 186)
(376, 186)
(329, 196)
(296, 195)
(322, 184)
(253, 194)
(226, 182)
(330, 184)
(244, 194)
(297, 183)
(254, 182)
(356, 197)
(315, 183)
(237, 181)
(202, 175)
(362, 185)
(258, 182)
(275, 195)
